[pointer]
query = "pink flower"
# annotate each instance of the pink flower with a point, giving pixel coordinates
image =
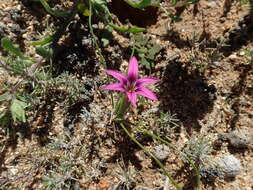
(131, 85)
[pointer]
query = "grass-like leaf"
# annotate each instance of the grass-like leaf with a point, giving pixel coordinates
(43, 41)
(132, 30)
(8, 46)
(53, 12)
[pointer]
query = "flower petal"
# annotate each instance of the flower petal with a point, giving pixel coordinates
(146, 80)
(146, 92)
(116, 74)
(114, 86)
(132, 98)
(133, 69)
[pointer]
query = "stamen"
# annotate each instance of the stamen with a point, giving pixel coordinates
(130, 87)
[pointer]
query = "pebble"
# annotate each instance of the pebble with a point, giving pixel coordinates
(210, 173)
(162, 152)
(212, 4)
(14, 27)
(242, 53)
(229, 166)
(238, 139)
(233, 56)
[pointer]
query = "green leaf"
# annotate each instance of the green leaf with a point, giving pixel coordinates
(8, 46)
(43, 42)
(140, 5)
(53, 12)
(121, 106)
(44, 52)
(153, 51)
(106, 35)
(5, 118)
(191, 2)
(132, 30)
(4, 96)
(145, 63)
(18, 110)
(83, 8)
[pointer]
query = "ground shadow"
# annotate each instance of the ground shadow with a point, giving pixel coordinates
(44, 114)
(15, 131)
(186, 94)
(125, 150)
(239, 36)
(234, 39)
(138, 17)
(76, 54)
(239, 88)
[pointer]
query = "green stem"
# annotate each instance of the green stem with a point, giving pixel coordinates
(198, 181)
(97, 46)
(178, 187)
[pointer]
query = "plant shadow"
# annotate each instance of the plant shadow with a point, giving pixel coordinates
(76, 53)
(126, 149)
(186, 94)
(15, 132)
(138, 17)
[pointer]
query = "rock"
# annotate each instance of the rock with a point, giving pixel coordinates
(242, 53)
(162, 152)
(142, 188)
(238, 139)
(229, 166)
(212, 4)
(14, 27)
(210, 173)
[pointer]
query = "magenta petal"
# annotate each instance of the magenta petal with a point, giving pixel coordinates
(115, 86)
(116, 74)
(133, 69)
(146, 92)
(132, 98)
(146, 80)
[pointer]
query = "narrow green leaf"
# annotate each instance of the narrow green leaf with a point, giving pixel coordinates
(42, 42)
(53, 12)
(132, 30)
(46, 53)
(18, 110)
(8, 46)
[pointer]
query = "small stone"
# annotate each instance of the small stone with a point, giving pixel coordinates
(142, 188)
(19, 7)
(233, 56)
(229, 166)
(210, 173)
(240, 139)
(212, 4)
(242, 53)
(14, 27)
(161, 152)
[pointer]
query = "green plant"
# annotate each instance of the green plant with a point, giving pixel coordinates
(145, 49)
(165, 124)
(13, 99)
(141, 4)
